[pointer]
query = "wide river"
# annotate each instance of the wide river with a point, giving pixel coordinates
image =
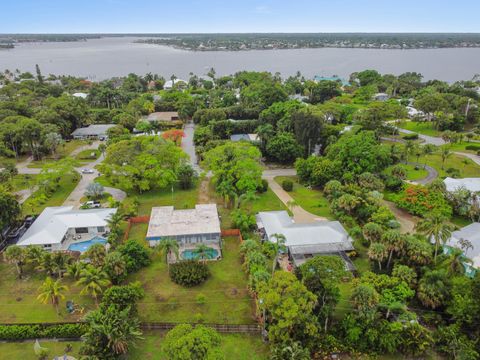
(107, 57)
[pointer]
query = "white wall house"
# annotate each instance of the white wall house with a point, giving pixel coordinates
(468, 240)
(98, 131)
(188, 226)
(60, 228)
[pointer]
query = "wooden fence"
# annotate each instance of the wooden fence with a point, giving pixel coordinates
(233, 232)
(221, 328)
(135, 220)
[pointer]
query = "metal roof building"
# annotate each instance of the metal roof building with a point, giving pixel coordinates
(92, 131)
(471, 184)
(307, 239)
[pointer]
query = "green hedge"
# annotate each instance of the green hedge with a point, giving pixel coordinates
(23, 332)
(410, 136)
(472, 147)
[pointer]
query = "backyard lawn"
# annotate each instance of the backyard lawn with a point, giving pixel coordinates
(311, 200)
(66, 149)
(67, 184)
(226, 296)
(24, 350)
(234, 346)
(19, 298)
(22, 181)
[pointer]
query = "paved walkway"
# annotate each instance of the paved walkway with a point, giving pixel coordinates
(473, 157)
(189, 147)
(437, 141)
(300, 215)
(432, 174)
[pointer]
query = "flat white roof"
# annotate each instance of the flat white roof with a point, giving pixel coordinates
(53, 223)
(165, 221)
(472, 234)
(471, 184)
(327, 234)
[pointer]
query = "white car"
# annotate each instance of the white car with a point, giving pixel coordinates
(87, 171)
(92, 204)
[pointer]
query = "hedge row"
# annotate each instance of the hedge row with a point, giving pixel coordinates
(472, 147)
(24, 332)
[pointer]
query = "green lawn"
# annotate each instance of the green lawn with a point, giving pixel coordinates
(234, 346)
(467, 169)
(22, 181)
(24, 350)
(461, 146)
(227, 298)
(67, 184)
(311, 200)
(412, 173)
(87, 155)
(66, 149)
(425, 128)
(19, 298)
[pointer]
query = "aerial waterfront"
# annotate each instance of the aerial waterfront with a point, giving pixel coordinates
(103, 58)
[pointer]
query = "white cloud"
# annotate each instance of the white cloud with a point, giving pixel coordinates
(262, 9)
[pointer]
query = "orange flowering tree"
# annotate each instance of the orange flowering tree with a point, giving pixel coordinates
(174, 135)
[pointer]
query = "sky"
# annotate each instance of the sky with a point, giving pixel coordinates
(210, 16)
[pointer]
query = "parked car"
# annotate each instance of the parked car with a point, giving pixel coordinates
(87, 171)
(91, 204)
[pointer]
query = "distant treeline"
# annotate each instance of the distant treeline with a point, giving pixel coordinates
(236, 42)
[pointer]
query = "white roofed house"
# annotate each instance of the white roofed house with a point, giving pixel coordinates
(189, 227)
(98, 131)
(470, 184)
(63, 228)
(306, 240)
(468, 240)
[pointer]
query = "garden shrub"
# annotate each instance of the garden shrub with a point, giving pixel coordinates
(23, 332)
(410, 136)
(287, 185)
(136, 255)
(421, 201)
(263, 187)
(189, 273)
(472, 147)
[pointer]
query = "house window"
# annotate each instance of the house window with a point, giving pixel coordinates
(82, 230)
(101, 229)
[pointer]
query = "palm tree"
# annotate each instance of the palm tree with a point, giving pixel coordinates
(166, 247)
(74, 269)
(454, 262)
(279, 244)
(377, 252)
(47, 264)
(445, 155)
(239, 200)
(202, 252)
(51, 291)
(432, 288)
(419, 251)
(394, 241)
(34, 254)
(436, 227)
(18, 256)
(115, 266)
(60, 262)
(93, 281)
(427, 149)
(96, 253)
(409, 145)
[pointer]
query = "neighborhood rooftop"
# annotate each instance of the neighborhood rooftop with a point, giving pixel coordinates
(471, 184)
(93, 130)
(472, 234)
(329, 235)
(53, 223)
(163, 116)
(165, 221)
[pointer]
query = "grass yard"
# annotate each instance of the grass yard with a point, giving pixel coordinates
(66, 149)
(461, 146)
(412, 173)
(86, 155)
(24, 350)
(22, 181)
(311, 200)
(67, 184)
(227, 298)
(234, 346)
(19, 298)
(424, 127)
(465, 166)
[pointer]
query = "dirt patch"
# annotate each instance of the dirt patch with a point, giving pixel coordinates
(406, 220)
(204, 192)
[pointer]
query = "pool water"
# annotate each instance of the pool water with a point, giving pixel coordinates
(190, 254)
(85, 245)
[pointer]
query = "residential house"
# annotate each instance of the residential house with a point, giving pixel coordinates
(470, 184)
(305, 240)
(178, 83)
(245, 137)
(319, 78)
(165, 116)
(189, 227)
(94, 132)
(468, 240)
(381, 97)
(63, 228)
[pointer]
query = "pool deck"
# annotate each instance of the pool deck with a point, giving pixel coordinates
(172, 258)
(79, 238)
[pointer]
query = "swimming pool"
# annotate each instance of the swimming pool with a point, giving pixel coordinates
(190, 254)
(85, 245)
